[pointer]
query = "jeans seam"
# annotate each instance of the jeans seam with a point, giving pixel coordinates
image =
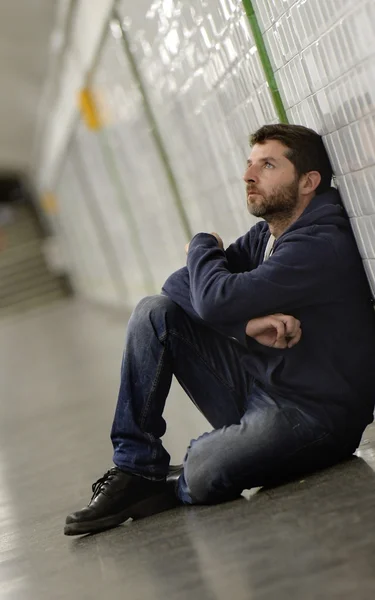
(309, 444)
(146, 407)
(178, 335)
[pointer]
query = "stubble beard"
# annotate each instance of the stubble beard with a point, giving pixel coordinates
(280, 204)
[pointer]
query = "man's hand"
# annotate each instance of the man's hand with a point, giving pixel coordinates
(275, 331)
(220, 241)
(216, 235)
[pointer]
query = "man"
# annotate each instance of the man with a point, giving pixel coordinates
(273, 339)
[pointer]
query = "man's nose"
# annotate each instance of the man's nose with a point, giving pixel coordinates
(250, 174)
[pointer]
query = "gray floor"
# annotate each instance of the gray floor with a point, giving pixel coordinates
(309, 539)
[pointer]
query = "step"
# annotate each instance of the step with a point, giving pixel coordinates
(21, 253)
(28, 281)
(10, 244)
(10, 259)
(25, 280)
(20, 224)
(15, 226)
(19, 218)
(20, 236)
(53, 285)
(21, 268)
(32, 303)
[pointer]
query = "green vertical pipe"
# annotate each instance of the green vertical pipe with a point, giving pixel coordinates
(265, 60)
(155, 130)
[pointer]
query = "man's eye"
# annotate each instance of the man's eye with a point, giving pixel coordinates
(268, 165)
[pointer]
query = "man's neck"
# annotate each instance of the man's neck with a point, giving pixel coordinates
(280, 222)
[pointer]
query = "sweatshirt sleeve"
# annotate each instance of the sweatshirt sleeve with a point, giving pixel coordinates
(239, 255)
(297, 273)
(177, 287)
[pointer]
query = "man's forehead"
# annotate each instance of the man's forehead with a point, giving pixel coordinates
(268, 148)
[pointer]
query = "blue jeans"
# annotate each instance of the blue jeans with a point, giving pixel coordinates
(256, 439)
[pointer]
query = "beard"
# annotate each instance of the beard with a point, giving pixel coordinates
(279, 202)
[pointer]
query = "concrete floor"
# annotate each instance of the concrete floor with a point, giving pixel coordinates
(309, 539)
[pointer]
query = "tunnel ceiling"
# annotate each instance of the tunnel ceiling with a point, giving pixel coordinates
(25, 29)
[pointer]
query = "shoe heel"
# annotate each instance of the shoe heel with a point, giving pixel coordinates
(154, 505)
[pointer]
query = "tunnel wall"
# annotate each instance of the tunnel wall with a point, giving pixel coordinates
(157, 152)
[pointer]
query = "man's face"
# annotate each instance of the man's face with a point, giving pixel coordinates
(272, 186)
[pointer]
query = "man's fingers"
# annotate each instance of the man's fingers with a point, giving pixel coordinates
(279, 325)
(292, 325)
(220, 241)
(293, 332)
(295, 339)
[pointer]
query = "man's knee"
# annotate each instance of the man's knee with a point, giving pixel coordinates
(153, 315)
(207, 471)
(152, 307)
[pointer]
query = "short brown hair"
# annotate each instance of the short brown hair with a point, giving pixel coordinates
(306, 150)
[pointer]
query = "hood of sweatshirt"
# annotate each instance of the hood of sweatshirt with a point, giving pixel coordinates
(324, 209)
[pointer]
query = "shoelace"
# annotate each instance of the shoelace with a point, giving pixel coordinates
(98, 486)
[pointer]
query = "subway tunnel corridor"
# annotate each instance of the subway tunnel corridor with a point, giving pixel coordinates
(124, 132)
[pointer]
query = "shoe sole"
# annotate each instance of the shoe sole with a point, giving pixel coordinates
(145, 508)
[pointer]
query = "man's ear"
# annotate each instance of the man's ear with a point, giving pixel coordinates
(309, 182)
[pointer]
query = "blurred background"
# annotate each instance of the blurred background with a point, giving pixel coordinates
(123, 132)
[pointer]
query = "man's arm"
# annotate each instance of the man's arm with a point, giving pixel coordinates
(239, 254)
(295, 275)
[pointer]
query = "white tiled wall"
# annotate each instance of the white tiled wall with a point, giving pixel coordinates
(204, 78)
(145, 187)
(86, 259)
(323, 53)
(108, 198)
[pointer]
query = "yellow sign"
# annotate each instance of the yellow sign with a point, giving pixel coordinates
(49, 203)
(89, 109)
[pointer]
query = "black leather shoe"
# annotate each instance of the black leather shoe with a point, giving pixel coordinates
(118, 496)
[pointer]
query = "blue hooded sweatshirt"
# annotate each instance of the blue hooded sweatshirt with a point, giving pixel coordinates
(315, 274)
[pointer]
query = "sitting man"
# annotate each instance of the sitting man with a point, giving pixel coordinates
(273, 339)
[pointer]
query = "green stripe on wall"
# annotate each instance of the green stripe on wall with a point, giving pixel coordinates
(155, 131)
(265, 60)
